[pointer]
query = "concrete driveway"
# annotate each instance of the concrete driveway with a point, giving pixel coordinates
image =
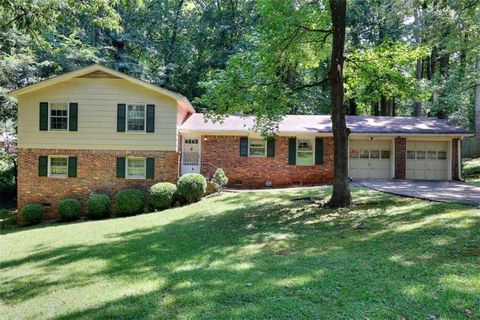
(445, 191)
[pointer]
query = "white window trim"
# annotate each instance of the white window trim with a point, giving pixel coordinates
(50, 115)
(144, 166)
(49, 167)
(313, 152)
(144, 118)
(264, 151)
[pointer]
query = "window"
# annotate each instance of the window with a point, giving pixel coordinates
(257, 147)
(136, 168)
(136, 117)
(431, 155)
(442, 155)
(354, 153)
(374, 154)
(410, 154)
(385, 154)
(305, 152)
(58, 167)
(363, 154)
(58, 115)
(421, 155)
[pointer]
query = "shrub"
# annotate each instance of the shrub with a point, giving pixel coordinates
(33, 213)
(130, 202)
(178, 199)
(219, 178)
(99, 205)
(192, 186)
(69, 209)
(161, 195)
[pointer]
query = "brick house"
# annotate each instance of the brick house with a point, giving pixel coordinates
(99, 130)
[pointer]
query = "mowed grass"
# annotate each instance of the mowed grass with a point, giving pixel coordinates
(274, 255)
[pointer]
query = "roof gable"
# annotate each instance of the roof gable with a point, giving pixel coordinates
(99, 71)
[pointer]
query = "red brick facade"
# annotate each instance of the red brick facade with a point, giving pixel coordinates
(224, 152)
(96, 172)
(400, 157)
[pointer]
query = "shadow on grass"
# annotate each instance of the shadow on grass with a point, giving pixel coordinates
(276, 257)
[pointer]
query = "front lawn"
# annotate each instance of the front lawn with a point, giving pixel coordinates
(253, 256)
(471, 170)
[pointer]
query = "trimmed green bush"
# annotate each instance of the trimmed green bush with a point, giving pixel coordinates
(219, 178)
(130, 202)
(192, 186)
(99, 206)
(161, 195)
(33, 213)
(178, 199)
(69, 209)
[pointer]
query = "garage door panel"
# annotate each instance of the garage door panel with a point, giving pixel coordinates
(427, 160)
(370, 159)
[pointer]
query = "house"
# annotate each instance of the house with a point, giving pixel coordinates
(96, 129)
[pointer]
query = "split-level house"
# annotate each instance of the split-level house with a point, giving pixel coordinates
(99, 130)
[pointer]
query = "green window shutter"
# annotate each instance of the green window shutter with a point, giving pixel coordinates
(243, 147)
(271, 147)
(120, 167)
(121, 116)
(318, 150)
(42, 166)
(150, 118)
(72, 167)
(73, 116)
(43, 116)
(150, 168)
(292, 150)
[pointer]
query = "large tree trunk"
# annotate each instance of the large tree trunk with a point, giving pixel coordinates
(341, 196)
(419, 74)
(173, 42)
(477, 100)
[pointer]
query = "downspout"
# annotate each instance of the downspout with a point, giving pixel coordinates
(459, 161)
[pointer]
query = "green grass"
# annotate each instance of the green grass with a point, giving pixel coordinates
(471, 170)
(251, 256)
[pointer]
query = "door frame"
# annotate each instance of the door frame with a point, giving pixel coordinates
(199, 138)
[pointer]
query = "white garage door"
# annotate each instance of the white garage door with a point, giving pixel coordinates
(370, 159)
(427, 160)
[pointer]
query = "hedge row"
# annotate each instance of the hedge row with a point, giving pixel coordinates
(190, 187)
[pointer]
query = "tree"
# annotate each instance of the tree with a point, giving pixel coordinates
(341, 196)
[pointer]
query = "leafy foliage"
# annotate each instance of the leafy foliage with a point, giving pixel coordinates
(130, 202)
(192, 186)
(99, 206)
(32, 213)
(219, 178)
(69, 209)
(161, 195)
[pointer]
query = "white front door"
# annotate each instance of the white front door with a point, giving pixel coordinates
(190, 156)
(370, 159)
(427, 160)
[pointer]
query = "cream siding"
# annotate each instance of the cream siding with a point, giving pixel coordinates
(97, 117)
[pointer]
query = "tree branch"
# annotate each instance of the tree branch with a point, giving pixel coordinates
(314, 30)
(310, 85)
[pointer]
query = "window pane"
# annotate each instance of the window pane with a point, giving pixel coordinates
(385, 154)
(58, 166)
(410, 154)
(136, 168)
(442, 155)
(421, 155)
(354, 153)
(374, 154)
(431, 155)
(58, 116)
(305, 145)
(305, 158)
(364, 154)
(257, 147)
(136, 117)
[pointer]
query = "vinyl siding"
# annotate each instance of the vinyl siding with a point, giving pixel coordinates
(97, 117)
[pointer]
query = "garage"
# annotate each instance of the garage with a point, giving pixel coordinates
(370, 159)
(427, 160)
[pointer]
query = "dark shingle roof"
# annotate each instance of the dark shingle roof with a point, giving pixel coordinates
(322, 124)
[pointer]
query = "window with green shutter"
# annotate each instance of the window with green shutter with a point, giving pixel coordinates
(150, 118)
(120, 167)
(292, 150)
(318, 150)
(42, 166)
(43, 116)
(244, 147)
(271, 147)
(150, 172)
(72, 167)
(121, 117)
(73, 116)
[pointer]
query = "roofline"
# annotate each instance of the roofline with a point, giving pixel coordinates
(181, 100)
(321, 133)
